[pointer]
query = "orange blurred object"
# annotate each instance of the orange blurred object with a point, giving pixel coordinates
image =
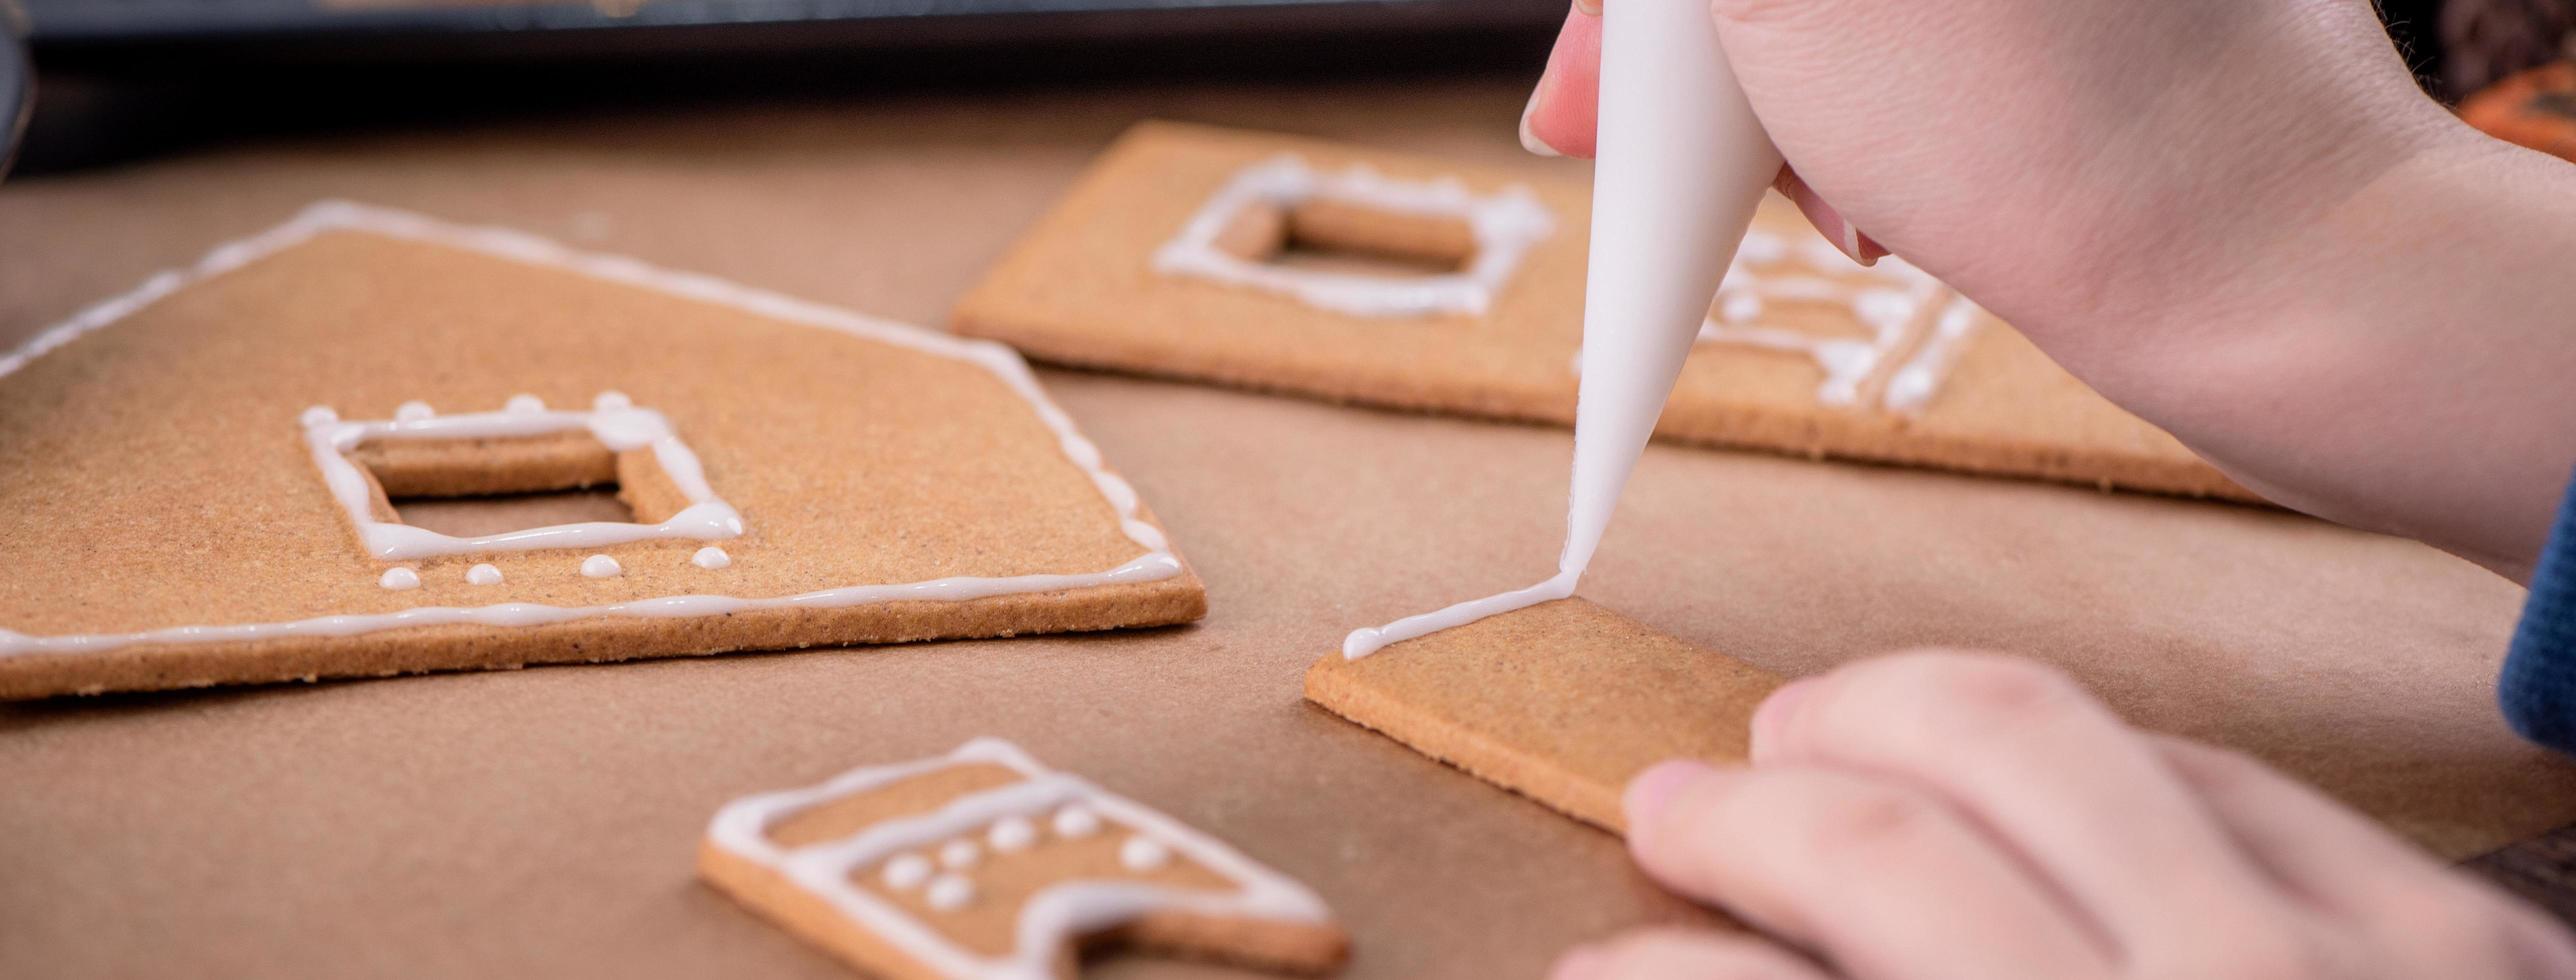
(2535, 108)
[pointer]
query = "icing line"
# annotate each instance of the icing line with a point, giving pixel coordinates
(1050, 918)
(1155, 564)
(1506, 226)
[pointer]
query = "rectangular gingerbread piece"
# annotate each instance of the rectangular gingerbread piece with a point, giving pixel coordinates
(984, 863)
(1561, 702)
(1231, 256)
(203, 482)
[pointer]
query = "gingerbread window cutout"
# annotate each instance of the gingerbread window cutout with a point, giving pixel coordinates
(985, 863)
(1916, 324)
(636, 446)
(1473, 242)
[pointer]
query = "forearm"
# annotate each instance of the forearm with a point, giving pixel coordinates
(2401, 362)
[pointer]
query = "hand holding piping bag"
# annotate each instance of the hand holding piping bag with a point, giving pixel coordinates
(2241, 220)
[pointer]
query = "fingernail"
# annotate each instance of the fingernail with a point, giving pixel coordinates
(1851, 244)
(1654, 788)
(1580, 963)
(1771, 720)
(1588, 7)
(1530, 140)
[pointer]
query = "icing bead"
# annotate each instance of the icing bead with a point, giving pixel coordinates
(524, 404)
(601, 566)
(951, 892)
(907, 871)
(413, 412)
(1013, 834)
(960, 853)
(399, 578)
(483, 575)
(1076, 821)
(711, 557)
(1143, 854)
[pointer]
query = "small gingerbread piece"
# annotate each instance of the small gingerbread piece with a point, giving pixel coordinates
(984, 863)
(1562, 702)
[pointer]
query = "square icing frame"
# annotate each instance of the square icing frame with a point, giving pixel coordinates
(616, 422)
(1505, 224)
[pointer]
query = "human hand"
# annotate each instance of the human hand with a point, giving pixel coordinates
(1936, 814)
(2239, 219)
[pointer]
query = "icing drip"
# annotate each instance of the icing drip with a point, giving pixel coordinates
(1143, 854)
(483, 575)
(1155, 563)
(621, 429)
(1892, 307)
(1050, 917)
(711, 558)
(399, 578)
(600, 566)
(1505, 225)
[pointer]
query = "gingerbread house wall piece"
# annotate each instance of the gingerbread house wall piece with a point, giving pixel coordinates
(184, 504)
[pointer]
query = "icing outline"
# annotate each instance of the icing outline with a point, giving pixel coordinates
(1156, 563)
(1506, 225)
(1051, 918)
(1892, 306)
(621, 428)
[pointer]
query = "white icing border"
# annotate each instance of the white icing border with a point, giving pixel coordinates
(1053, 916)
(1155, 564)
(1506, 226)
(620, 427)
(1893, 309)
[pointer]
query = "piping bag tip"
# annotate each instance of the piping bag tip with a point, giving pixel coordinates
(1682, 164)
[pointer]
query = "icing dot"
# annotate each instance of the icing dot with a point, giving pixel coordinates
(960, 853)
(483, 575)
(1741, 307)
(399, 578)
(907, 872)
(1076, 821)
(525, 404)
(1013, 834)
(600, 566)
(951, 892)
(413, 411)
(318, 415)
(610, 401)
(711, 557)
(1141, 854)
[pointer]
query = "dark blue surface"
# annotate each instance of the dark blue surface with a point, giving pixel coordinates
(2538, 687)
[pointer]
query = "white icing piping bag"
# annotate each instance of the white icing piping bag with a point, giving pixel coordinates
(1681, 165)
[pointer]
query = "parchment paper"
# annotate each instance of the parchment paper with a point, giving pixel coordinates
(541, 822)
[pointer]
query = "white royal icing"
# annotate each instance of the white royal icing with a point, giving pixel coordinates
(412, 412)
(960, 853)
(483, 575)
(1767, 273)
(1051, 917)
(1012, 834)
(600, 566)
(908, 871)
(621, 429)
(950, 892)
(399, 578)
(1076, 821)
(711, 558)
(524, 403)
(1506, 226)
(1143, 854)
(1155, 563)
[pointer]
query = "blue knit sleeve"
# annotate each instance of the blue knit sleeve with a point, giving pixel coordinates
(2538, 686)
